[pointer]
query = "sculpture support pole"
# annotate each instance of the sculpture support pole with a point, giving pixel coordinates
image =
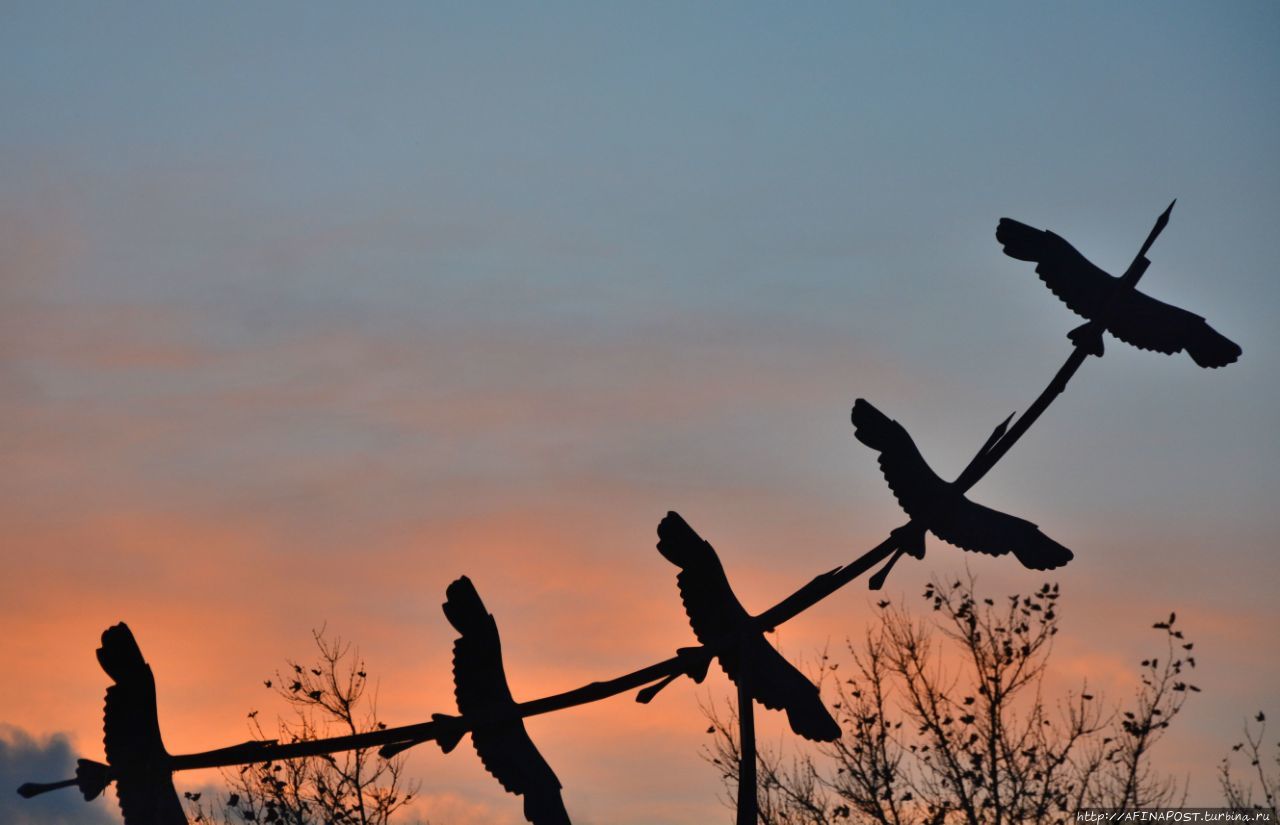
(748, 806)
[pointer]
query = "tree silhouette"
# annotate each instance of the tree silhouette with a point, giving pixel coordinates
(946, 720)
(328, 695)
(1239, 791)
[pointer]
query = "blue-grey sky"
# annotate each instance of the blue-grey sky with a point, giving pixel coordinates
(309, 308)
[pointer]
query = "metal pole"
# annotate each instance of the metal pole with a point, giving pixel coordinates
(748, 806)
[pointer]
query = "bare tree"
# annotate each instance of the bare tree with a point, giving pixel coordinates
(1240, 792)
(946, 720)
(328, 697)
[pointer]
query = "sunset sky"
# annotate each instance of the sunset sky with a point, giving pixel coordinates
(308, 309)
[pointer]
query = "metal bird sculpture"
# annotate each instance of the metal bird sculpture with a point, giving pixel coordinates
(1132, 316)
(482, 694)
(720, 622)
(136, 758)
(131, 734)
(941, 507)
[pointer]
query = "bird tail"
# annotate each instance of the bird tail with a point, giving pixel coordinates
(92, 778)
(449, 740)
(545, 808)
(910, 540)
(1210, 348)
(1045, 554)
(778, 684)
(1019, 240)
(120, 655)
(813, 722)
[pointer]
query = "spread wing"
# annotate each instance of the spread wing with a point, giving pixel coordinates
(916, 487)
(716, 615)
(131, 735)
(713, 610)
(974, 527)
(1080, 285)
(778, 685)
(1139, 320)
(1149, 324)
(480, 687)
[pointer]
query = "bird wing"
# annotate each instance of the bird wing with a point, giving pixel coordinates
(480, 688)
(1079, 284)
(150, 802)
(131, 734)
(914, 484)
(709, 602)
(779, 685)
(1139, 319)
(717, 616)
(1150, 324)
(974, 527)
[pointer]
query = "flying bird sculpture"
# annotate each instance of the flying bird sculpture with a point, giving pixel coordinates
(940, 507)
(1132, 316)
(720, 622)
(482, 694)
(131, 734)
(136, 758)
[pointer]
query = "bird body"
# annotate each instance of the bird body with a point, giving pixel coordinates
(1132, 316)
(720, 622)
(136, 754)
(941, 507)
(482, 693)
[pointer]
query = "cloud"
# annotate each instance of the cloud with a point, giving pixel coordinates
(24, 758)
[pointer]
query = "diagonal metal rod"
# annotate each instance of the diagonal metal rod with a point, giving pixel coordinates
(807, 596)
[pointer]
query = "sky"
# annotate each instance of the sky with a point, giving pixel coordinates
(308, 309)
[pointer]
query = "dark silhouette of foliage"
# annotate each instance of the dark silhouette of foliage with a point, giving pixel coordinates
(330, 695)
(946, 721)
(1239, 791)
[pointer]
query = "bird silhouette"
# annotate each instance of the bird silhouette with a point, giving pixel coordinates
(1132, 316)
(482, 694)
(720, 621)
(940, 507)
(136, 757)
